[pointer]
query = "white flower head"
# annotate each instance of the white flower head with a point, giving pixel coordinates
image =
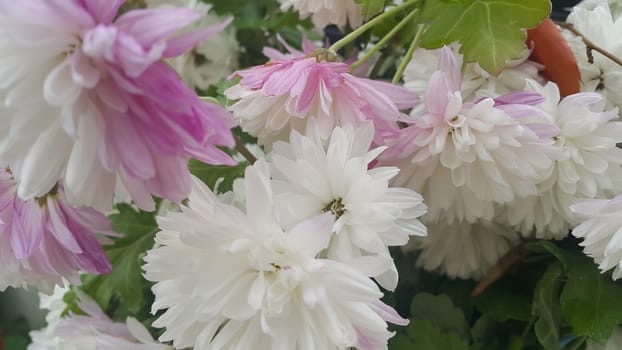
(591, 166)
(259, 286)
(92, 331)
(312, 175)
(600, 27)
(601, 230)
(325, 12)
(463, 250)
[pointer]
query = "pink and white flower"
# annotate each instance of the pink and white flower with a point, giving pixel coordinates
(262, 287)
(88, 100)
(466, 157)
(45, 240)
(92, 331)
(476, 82)
(284, 95)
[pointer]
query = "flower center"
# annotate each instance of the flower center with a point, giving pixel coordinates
(336, 207)
(323, 55)
(43, 200)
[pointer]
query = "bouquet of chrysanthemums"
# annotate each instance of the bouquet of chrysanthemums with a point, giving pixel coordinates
(313, 174)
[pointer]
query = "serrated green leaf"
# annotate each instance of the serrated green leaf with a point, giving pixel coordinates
(547, 308)
(370, 8)
(590, 301)
(219, 178)
(424, 335)
(440, 311)
(491, 31)
(125, 285)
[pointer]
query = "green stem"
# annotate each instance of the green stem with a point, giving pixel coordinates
(384, 40)
(409, 55)
(362, 29)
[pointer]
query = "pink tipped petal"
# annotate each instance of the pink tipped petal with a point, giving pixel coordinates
(520, 97)
(183, 43)
(402, 97)
(449, 65)
(104, 11)
(153, 25)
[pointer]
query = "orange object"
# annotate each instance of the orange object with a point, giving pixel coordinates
(550, 49)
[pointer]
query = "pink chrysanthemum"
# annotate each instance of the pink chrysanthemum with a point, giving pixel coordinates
(44, 240)
(89, 100)
(283, 95)
(466, 157)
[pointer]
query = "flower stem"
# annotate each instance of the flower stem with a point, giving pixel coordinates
(408, 56)
(241, 148)
(368, 25)
(384, 40)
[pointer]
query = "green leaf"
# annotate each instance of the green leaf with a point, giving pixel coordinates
(440, 311)
(547, 308)
(590, 301)
(370, 8)
(502, 302)
(16, 342)
(424, 335)
(124, 288)
(491, 31)
(219, 178)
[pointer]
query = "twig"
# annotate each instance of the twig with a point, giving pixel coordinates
(241, 147)
(589, 44)
(513, 257)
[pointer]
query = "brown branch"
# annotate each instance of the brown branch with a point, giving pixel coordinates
(241, 147)
(589, 44)
(513, 257)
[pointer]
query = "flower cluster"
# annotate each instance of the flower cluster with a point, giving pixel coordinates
(453, 168)
(89, 108)
(265, 285)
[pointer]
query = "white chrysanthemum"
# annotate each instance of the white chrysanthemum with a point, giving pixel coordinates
(604, 75)
(476, 82)
(466, 157)
(601, 230)
(591, 166)
(260, 287)
(92, 331)
(213, 59)
(312, 176)
(463, 250)
(325, 12)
